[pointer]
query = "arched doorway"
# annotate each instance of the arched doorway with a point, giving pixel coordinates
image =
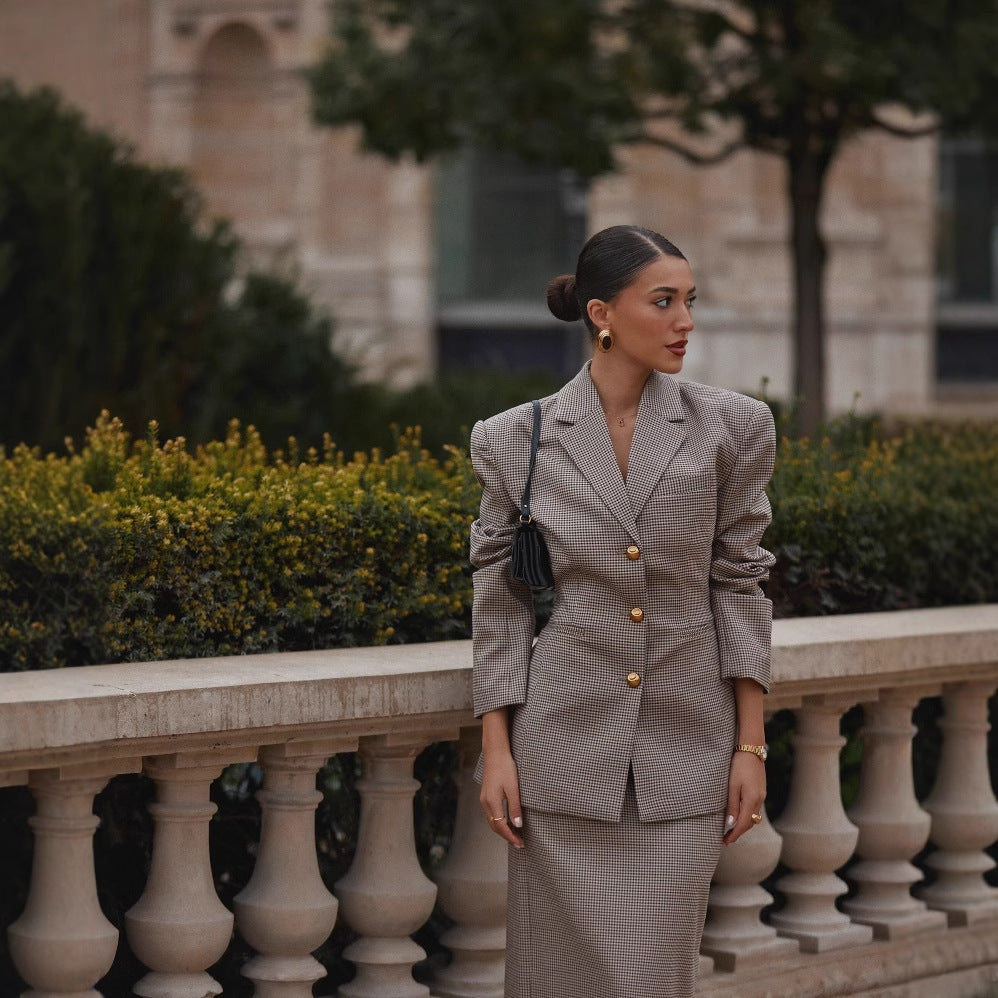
(237, 135)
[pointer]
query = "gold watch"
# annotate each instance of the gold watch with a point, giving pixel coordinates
(762, 751)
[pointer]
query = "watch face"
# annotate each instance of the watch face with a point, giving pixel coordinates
(763, 753)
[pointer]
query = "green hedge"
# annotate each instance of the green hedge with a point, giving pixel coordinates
(139, 550)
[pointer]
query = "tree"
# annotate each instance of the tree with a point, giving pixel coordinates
(570, 81)
(116, 293)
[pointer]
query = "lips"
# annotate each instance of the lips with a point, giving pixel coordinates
(678, 348)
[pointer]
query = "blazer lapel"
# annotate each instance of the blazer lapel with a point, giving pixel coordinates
(659, 432)
(586, 440)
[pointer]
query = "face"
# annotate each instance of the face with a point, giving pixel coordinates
(651, 319)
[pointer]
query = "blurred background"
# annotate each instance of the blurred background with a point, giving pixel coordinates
(428, 272)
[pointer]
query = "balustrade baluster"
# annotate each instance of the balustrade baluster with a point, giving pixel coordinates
(734, 937)
(472, 891)
(818, 838)
(62, 944)
(892, 826)
(385, 896)
(963, 809)
(179, 928)
(285, 911)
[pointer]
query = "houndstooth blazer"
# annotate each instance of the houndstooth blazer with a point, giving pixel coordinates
(657, 597)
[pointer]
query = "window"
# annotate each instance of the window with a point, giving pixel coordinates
(967, 270)
(503, 230)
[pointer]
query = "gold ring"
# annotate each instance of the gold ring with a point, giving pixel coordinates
(501, 817)
(756, 819)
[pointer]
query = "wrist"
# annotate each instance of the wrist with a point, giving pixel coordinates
(758, 749)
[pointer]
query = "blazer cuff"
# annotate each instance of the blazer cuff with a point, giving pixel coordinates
(744, 626)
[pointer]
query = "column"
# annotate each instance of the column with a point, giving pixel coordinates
(62, 944)
(892, 827)
(818, 838)
(179, 928)
(285, 911)
(472, 889)
(734, 936)
(963, 809)
(385, 896)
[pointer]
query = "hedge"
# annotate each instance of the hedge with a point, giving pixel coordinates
(133, 551)
(139, 550)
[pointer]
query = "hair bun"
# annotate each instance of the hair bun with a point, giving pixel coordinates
(561, 299)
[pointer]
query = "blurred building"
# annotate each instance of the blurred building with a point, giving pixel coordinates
(443, 266)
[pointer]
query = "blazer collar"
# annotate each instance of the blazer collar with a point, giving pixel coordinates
(659, 431)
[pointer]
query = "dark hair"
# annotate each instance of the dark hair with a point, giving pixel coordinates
(607, 264)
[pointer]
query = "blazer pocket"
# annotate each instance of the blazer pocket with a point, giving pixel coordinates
(687, 485)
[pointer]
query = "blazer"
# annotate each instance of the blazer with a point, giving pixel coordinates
(657, 602)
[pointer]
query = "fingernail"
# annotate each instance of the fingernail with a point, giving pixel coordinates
(520, 846)
(730, 823)
(518, 822)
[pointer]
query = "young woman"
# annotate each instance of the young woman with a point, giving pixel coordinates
(625, 745)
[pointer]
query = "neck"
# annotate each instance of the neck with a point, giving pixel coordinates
(619, 388)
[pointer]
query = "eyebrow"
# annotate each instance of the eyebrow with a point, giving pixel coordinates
(671, 291)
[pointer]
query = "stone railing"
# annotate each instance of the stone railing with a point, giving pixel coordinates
(65, 733)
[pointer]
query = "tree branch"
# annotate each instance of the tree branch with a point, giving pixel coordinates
(690, 155)
(904, 133)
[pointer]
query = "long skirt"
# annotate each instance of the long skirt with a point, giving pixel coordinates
(605, 910)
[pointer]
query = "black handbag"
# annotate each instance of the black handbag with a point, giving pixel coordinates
(531, 563)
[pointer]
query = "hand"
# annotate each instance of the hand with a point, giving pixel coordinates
(746, 794)
(500, 796)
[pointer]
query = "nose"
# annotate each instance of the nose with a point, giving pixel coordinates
(685, 320)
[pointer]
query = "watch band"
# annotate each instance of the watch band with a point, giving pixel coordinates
(762, 751)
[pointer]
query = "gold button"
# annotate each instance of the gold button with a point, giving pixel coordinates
(634, 552)
(633, 679)
(637, 615)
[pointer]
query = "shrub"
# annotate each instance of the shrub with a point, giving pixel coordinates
(132, 551)
(879, 524)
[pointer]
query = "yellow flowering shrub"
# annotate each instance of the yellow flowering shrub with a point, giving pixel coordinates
(136, 550)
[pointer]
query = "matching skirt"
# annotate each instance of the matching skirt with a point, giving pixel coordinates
(604, 910)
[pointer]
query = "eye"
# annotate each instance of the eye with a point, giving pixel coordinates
(690, 301)
(664, 302)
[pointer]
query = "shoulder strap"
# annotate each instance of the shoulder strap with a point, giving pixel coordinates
(525, 501)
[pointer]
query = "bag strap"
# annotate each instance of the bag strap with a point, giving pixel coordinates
(525, 516)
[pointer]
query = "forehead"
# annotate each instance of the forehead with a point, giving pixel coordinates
(663, 272)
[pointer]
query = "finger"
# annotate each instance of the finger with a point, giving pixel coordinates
(513, 805)
(496, 815)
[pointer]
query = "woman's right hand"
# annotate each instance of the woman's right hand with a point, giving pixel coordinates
(500, 795)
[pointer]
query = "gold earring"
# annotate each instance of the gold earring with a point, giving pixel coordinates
(604, 340)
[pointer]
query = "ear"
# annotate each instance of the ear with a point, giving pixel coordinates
(598, 313)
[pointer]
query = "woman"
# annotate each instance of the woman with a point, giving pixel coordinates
(624, 746)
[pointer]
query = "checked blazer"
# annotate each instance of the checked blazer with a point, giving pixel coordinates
(657, 599)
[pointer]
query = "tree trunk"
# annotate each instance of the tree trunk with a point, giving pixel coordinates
(807, 170)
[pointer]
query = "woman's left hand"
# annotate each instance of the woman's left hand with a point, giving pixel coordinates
(746, 794)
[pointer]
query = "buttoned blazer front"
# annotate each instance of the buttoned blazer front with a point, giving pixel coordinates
(682, 611)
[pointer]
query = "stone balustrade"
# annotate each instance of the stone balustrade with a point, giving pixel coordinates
(853, 915)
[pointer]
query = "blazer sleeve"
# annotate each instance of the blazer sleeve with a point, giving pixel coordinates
(502, 616)
(743, 615)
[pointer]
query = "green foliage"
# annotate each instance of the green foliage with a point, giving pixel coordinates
(568, 81)
(871, 524)
(132, 551)
(139, 550)
(115, 293)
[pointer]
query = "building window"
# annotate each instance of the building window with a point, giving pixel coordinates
(503, 230)
(967, 271)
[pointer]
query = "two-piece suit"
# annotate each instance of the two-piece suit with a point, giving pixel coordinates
(657, 604)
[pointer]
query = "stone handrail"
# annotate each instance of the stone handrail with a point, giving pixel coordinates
(65, 733)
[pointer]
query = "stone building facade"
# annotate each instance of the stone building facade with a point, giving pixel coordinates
(446, 264)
